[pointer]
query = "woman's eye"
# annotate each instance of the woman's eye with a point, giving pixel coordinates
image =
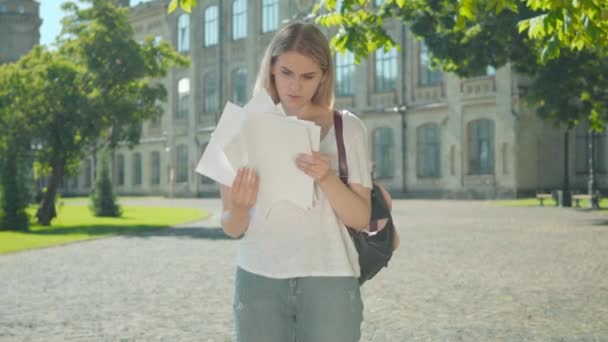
(308, 77)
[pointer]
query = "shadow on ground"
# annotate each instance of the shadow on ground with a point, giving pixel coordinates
(208, 233)
(147, 231)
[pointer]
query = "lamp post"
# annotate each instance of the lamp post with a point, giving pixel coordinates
(591, 186)
(401, 109)
(171, 175)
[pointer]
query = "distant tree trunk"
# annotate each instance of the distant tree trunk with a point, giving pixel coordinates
(46, 212)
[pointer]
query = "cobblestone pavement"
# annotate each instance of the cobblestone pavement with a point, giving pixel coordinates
(466, 271)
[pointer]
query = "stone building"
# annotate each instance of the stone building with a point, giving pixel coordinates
(19, 28)
(431, 134)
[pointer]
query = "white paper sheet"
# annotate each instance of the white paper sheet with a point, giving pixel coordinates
(263, 137)
(215, 165)
(273, 143)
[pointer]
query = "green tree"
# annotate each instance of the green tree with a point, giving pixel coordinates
(576, 25)
(110, 90)
(103, 201)
(14, 147)
(466, 44)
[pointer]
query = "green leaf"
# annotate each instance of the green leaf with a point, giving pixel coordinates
(172, 6)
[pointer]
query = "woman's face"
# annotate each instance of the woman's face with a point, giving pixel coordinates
(297, 78)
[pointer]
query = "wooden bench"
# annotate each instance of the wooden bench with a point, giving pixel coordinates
(582, 197)
(544, 196)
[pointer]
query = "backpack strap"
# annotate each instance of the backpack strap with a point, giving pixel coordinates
(341, 149)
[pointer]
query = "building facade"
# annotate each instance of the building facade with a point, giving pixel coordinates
(431, 134)
(19, 28)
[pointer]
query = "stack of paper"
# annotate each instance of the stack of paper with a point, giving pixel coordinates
(261, 136)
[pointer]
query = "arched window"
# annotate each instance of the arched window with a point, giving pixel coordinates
(429, 150)
(211, 26)
(154, 168)
(383, 153)
(239, 86)
(137, 168)
(345, 74)
(426, 75)
(183, 104)
(211, 101)
(239, 19)
(183, 33)
(386, 70)
(181, 174)
(481, 147)
(270, 15)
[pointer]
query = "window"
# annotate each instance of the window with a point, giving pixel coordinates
(386, 70)
(181, 174)
(204, 179)
(239, 19)
(383, 153)
(137, 168)
(211, 102)
(20, 9)
(88, 173)
(582, 151)
(428, 143)
(211, 26)
(427, 76)
(239, 86)
(481, 147)
(183, 33)
(183, 105)
(155, 168)
(345, 71)
(120, 169)
(2, 8)
(270, 15)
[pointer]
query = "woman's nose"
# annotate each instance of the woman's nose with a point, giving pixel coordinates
(294, 84)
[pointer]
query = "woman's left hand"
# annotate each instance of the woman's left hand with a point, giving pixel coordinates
(316, 165)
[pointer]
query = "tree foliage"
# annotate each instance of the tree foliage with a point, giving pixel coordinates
(95, 90)
(465, 37)
(15, 131)
(103, 201)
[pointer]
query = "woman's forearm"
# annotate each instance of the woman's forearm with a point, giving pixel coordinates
(352, 209)
(235, 222)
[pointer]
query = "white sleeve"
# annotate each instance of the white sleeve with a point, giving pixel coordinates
(357, 157)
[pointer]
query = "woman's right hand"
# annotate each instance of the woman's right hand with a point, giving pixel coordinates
(244, 190)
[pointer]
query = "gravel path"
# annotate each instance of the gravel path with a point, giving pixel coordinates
(466, 271)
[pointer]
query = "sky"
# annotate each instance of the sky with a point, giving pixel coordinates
(51, 13)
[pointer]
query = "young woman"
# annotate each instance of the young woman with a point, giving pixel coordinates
(297, 271)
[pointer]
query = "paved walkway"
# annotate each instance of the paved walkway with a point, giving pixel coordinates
(466, 271)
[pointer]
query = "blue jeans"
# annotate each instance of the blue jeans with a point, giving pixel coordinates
(307, 309)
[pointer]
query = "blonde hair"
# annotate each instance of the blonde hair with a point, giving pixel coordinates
(309, 41)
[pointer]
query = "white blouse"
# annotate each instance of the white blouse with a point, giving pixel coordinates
(290, 241)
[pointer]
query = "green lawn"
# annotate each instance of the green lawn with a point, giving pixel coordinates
(75, 223)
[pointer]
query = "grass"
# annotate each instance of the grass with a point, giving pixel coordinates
(76, 223)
